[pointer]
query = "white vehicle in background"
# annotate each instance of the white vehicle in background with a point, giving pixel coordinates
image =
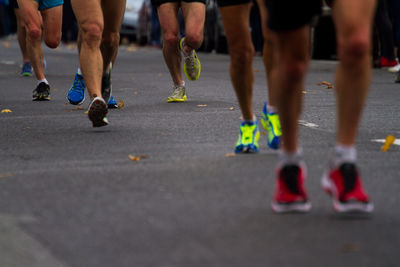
(130, 22)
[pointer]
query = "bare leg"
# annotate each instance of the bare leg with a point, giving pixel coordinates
(353, 23)
(241, 51)
(113, 12)
(90, 20)
(268, 53)
(194, 16)
(293, 53)
(22, 35)
(168, 16)
(33, 26)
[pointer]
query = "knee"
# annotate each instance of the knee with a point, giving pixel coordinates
(52, 41)
(170, 39)
(34, 33)
(294, 68)
(354, 48)
(92, 33)
(194, 40)
(241, 54)
(110, 39)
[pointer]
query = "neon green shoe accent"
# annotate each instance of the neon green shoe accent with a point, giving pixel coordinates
(191, 66)
(272, 124)
(178, 95)
(248, 138)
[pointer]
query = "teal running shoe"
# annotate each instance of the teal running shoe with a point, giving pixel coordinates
(27, 69)
(112, 103)
(248, 138)
(76, 94)
(271, 123)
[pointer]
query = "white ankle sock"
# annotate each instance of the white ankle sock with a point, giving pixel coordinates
(43, 81)
(290, 158)
(343, 154)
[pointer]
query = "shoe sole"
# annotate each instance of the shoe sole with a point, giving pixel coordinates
(41, 98)
(26, 74)
(186, 73)
(340, 207)
(292, 207)
(184, 65)
(97, 113)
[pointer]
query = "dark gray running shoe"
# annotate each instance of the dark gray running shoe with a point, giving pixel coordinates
(41, 92)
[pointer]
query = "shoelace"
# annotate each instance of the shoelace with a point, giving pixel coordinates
(77, 83)
(177, 91)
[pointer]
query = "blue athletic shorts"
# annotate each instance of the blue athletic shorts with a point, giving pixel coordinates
(46, 4)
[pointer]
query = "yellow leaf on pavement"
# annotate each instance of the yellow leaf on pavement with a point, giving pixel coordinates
(6, 110)
(388, 142)
(121, 104)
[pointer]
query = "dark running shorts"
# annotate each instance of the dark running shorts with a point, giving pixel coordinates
(222, 3)
(287, 15)
(13, 3)
(160, 2)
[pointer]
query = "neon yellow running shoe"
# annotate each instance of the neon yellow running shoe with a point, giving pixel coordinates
(178, 95)
(271, 123)
(191, 66)
(248, 138)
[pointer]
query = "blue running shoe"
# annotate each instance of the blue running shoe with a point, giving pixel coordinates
(248, 138)
(76, 94)
(271, 123)
(112, 103)
(27, 69)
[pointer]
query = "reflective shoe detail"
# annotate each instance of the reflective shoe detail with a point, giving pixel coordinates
(41, 92)
(271, 123)
(344, 185)
(178, 94)
(106, 86)
(248, 138)
(27, 69)
(76, 94)
(290, 195)
(97, 112)
(191, 66)
(112, 103)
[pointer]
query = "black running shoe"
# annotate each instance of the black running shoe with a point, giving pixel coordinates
(97, 112)
(41, 92)
(106, 87)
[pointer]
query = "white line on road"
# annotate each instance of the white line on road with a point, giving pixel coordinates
(396, 142)
(308, 124)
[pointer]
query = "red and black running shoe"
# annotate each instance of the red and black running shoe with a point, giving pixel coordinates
(344, 184)
(290, 195)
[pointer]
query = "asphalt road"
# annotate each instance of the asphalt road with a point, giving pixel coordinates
(70, 195)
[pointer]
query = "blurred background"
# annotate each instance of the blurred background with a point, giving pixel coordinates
(141, 27)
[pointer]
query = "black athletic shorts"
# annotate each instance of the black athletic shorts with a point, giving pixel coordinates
(286, 15)
(160, 2)
(222, 3)
(13, 3)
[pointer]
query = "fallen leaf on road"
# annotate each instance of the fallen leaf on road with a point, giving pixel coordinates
(6, 110)
(231, 108)
(6, 44)
(202, 105)
(327, 84)
(137, 158)
(132, 48)
(69, 110)
(388, 142)
(79, 108)
(86, 112)
(121, 104)
(27, 127)
(5, 175)
(230, 155)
